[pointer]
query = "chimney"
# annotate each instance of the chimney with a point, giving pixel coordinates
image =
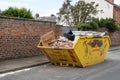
(37, 15)
(112, 1)
(52, 15)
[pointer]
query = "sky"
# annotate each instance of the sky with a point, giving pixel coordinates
(43, 7)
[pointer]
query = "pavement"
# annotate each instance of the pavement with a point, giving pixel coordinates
(22, 63)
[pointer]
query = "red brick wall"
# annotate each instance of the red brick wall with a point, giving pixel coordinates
(116, 14)
(112, 1)
(19, 37)
(115, 38)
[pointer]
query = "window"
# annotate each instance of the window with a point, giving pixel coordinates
(116, 14)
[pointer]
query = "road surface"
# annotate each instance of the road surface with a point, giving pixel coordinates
(108, 70)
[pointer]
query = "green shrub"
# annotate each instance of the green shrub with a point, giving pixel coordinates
(118, 27)
(96, 20)
(107, 23)
(102, 23)
(87, 26)
(93, 25)
(17, 12)
(83, 26)
(111, 25)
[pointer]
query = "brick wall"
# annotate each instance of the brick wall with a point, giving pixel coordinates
(115, 38)
(116, 14)
(112, 1)
(19, 37)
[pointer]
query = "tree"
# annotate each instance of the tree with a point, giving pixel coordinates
(0, 12)
(64, 12)
(16, 12)
(80, 12)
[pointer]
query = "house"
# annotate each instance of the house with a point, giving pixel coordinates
(106, 7)
(110, 10)
(51, 18)
(116, 13)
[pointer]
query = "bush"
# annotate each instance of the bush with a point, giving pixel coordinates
(87, 26)
(93, 25)
(83, 26)
(108, 23)
(102, 23)
(118, 27)
(16, 12)
(111, 25)
(96, 20)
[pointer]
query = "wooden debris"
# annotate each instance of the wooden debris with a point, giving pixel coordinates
(61, 44)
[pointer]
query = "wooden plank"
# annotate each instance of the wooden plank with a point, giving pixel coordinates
(48, 38)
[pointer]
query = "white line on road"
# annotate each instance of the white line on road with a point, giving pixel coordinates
(14, 72)
(108, 52)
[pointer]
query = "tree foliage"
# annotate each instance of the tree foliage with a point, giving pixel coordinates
(16, 12)
(64, 12)
(108, 23)
(80, 12)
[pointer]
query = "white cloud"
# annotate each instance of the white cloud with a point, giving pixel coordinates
(19, 4)
(28, 0)
(51, 11)
(33, 5)
(36, 6)
(43, 7)
(117, 2)
(4, 4)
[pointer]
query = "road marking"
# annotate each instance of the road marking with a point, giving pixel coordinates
(14, 72)
(108, 52)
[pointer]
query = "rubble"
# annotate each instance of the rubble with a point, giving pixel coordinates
(66, 40)
(89, 33)
(62, 44)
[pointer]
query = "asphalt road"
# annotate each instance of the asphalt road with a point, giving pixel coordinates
(108, 70)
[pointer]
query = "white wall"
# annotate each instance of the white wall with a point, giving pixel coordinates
(105, 6)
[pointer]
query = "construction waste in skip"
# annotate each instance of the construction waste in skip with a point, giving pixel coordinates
(75, 48)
